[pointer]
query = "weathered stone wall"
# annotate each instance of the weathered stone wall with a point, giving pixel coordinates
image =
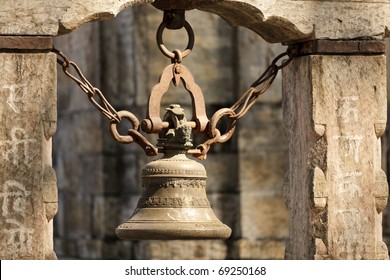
(99, 179)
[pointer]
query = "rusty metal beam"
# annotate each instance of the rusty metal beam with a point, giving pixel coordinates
(338, 47)
(25, 43)
(177, 4)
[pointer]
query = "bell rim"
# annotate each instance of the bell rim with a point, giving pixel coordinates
(143, 230)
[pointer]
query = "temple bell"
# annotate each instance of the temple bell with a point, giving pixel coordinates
(173, 204)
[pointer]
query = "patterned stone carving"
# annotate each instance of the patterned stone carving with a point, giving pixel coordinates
(175, 202)
(335, 108)
(177, 172)
(28, 191)
(173, 183)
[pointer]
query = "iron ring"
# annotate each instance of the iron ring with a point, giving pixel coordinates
(213, 125)
(114, 131)
(164, 50)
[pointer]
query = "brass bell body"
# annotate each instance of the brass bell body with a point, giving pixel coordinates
(173, 204)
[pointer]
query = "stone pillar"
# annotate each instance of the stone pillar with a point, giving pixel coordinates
(386, 154)
(28, 191)
(335, 113)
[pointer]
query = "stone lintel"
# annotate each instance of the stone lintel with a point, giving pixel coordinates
(177, 4)
(283, 21)
(25, 43)
(342, 47)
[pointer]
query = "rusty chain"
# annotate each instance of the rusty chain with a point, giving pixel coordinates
(243, 104)
(234, 113)
(115, 117)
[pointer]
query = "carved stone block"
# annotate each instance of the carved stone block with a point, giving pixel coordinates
(79, 218)
(335, 111)
(28, 192)
(263, 172)
(181, 250)
(258, 249)
(261, 130)
(222, 172)
(263, 216)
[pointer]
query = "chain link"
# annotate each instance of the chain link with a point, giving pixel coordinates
(95, 96)
(107, 110)
(241, 107)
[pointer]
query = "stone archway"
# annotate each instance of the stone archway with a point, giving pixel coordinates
(324, 218)
(276, 21)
